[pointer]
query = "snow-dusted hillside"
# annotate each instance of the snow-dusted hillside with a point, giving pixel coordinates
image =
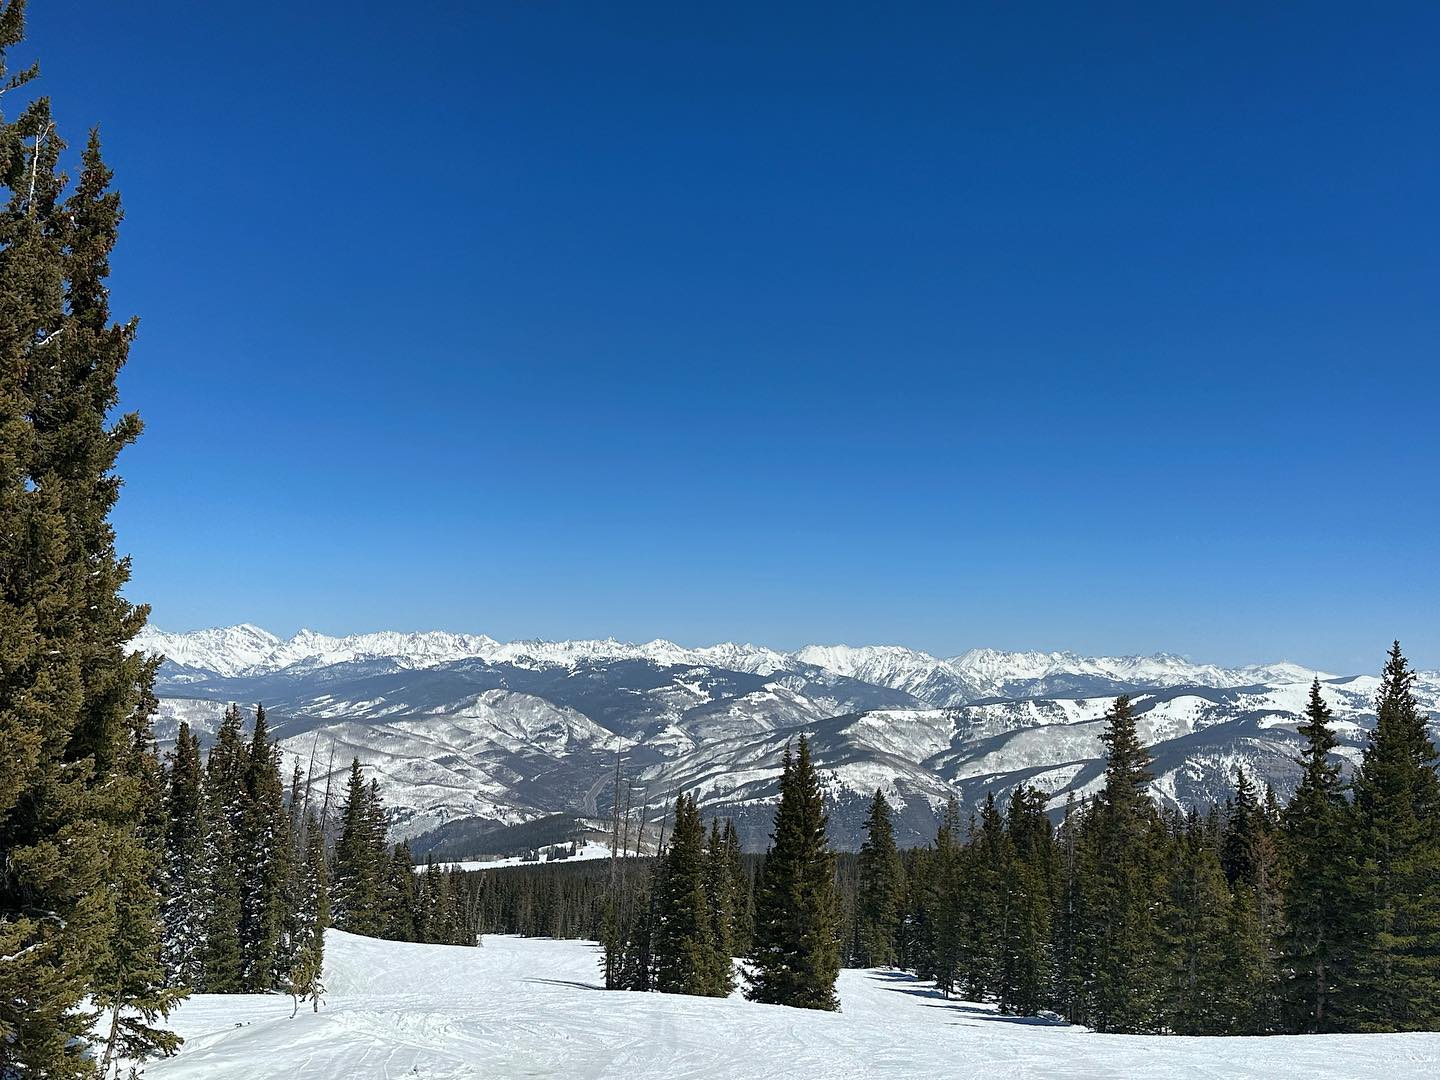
(464, 727)
(519, 1007)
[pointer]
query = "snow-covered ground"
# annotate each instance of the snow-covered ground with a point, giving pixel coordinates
(533, 1008)
(591, 849)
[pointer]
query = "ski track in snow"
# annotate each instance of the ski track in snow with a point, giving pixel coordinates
(534, 1008)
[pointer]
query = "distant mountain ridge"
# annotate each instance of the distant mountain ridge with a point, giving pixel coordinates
(247, 650)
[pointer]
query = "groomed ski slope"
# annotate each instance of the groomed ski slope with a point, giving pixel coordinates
(531, 1008)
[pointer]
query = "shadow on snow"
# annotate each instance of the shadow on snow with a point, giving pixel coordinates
(903, 983)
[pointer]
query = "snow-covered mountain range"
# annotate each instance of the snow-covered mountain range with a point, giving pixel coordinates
(461, 727)
(247, 650)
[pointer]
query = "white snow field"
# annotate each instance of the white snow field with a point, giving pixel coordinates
(532, 1008)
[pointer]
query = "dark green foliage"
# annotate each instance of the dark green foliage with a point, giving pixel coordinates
(310, 915)
(721, 896)
(740, 885)
(1397, 822)
(1117, 944)
(223, 963)
(983, 866)
(1249, 856)
(398, 896)
(359, 860)
(797, 950)
(263, 849)
(1321, 921)
(879, 905)
(943, 901)
(1199, 999)
(77, 776)
(686, 955)
(185, 875)
(1029, 883)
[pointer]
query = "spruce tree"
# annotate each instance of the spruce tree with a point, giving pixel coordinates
(722, 896)
(880, 903)
(223, 959)
(741, 893)
(1196, 925)
(75, 705)
(1320, 916)
(311, 918)
(183, 953)
(1029, 884)
(945, 894)
(797, 948)
(262, 847)
(398, 892)
(1118, 937)
(986, 862)
(1250, 858)
(686, 957)
(1068, 973)
(1397, 815)
(360, 859)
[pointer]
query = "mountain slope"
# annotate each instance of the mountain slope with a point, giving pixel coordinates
(461, 727)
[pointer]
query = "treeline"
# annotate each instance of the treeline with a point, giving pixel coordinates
(253, 871)
(1323, 916)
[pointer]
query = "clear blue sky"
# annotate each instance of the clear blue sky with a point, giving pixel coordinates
(1104, 327)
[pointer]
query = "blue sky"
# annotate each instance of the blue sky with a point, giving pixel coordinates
(1103, 327)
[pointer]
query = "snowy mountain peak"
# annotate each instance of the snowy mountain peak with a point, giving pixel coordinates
(247, 650)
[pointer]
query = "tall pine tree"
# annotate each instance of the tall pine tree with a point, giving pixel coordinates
(880, 903)
(797, 948)
(185, 877)
(1118, 938)
(687, 957)
(1397, 814)
(1320, 917)
(75, 704)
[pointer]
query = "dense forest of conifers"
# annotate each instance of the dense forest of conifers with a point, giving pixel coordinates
(1249, 918)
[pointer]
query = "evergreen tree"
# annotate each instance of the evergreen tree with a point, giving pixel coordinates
(741, 893)
(1117, 947)
(686, 957)
(223, 961)
(74, 702)
(1197, 925)
(398, 907)
(638, 916)
(130, 987)
(1067, 987)
(185, 878)
(797, 949)
(1319, 918)
(943, 907)
(722, 896)
(1397, 814)
(312, 917)
(880, 903)
(359, 859)
(1029, 884)
(1250, 859)
(1238, 855)
(224, 799)
(262, 846)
